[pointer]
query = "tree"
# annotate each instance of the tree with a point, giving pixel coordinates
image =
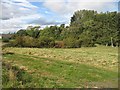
(21, 32)
(18, 42)
(28, 41)
(70, 42)
(47, 42)
(87, 28)
(33, 31)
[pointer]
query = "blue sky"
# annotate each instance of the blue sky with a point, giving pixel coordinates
(18, 14)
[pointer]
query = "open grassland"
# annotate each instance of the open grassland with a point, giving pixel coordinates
(60, 68)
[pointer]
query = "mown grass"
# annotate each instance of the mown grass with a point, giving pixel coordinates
(63, 68)
(103, 57)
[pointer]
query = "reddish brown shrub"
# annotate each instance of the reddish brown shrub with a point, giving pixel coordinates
(59, 44)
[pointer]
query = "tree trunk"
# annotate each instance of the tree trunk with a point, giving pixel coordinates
(112, 42)
(106, 44)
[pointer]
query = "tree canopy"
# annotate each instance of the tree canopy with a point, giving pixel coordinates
(87, 28)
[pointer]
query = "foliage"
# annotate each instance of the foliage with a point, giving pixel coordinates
(47, 42)
(5, 39)
(87, 28)
(59, 44)
(70, 42)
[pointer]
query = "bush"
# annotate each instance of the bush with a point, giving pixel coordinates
(59, 44)
(23, 41)
(5, 39)
(46, 42)
(86, 42)
(71, 42)
(12, 43)
(18, 41)
(28, 41)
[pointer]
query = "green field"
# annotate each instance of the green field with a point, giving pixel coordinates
(92, 67)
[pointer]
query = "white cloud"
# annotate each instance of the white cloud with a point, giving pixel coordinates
(54, 5)
(73, 0)
(15, 14)
(92, 0)
(69, 6)
(16, 8)
(66, 8)
(14, 24)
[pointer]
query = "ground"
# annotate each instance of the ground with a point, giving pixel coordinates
(91, 67)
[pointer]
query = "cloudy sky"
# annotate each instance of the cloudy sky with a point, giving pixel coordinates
(18, 14)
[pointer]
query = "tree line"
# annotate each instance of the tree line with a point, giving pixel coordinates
(87, 28)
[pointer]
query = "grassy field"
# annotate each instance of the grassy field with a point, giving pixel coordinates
(94, 67)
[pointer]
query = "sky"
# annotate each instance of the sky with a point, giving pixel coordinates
(18, 14)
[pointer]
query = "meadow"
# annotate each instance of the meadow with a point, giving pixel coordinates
(89, 67)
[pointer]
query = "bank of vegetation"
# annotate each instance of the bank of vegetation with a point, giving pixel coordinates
(87, 28)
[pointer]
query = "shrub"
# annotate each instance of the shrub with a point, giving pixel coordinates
(28, 41)
(5, 39)
(70, 42)
(46, 42)
(59, 44)
(86, 43)
(23, 41)
(86, 40)
(12, 43)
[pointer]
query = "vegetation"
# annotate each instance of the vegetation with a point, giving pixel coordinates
(35, 57)
(87, 28)
(60, 68)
